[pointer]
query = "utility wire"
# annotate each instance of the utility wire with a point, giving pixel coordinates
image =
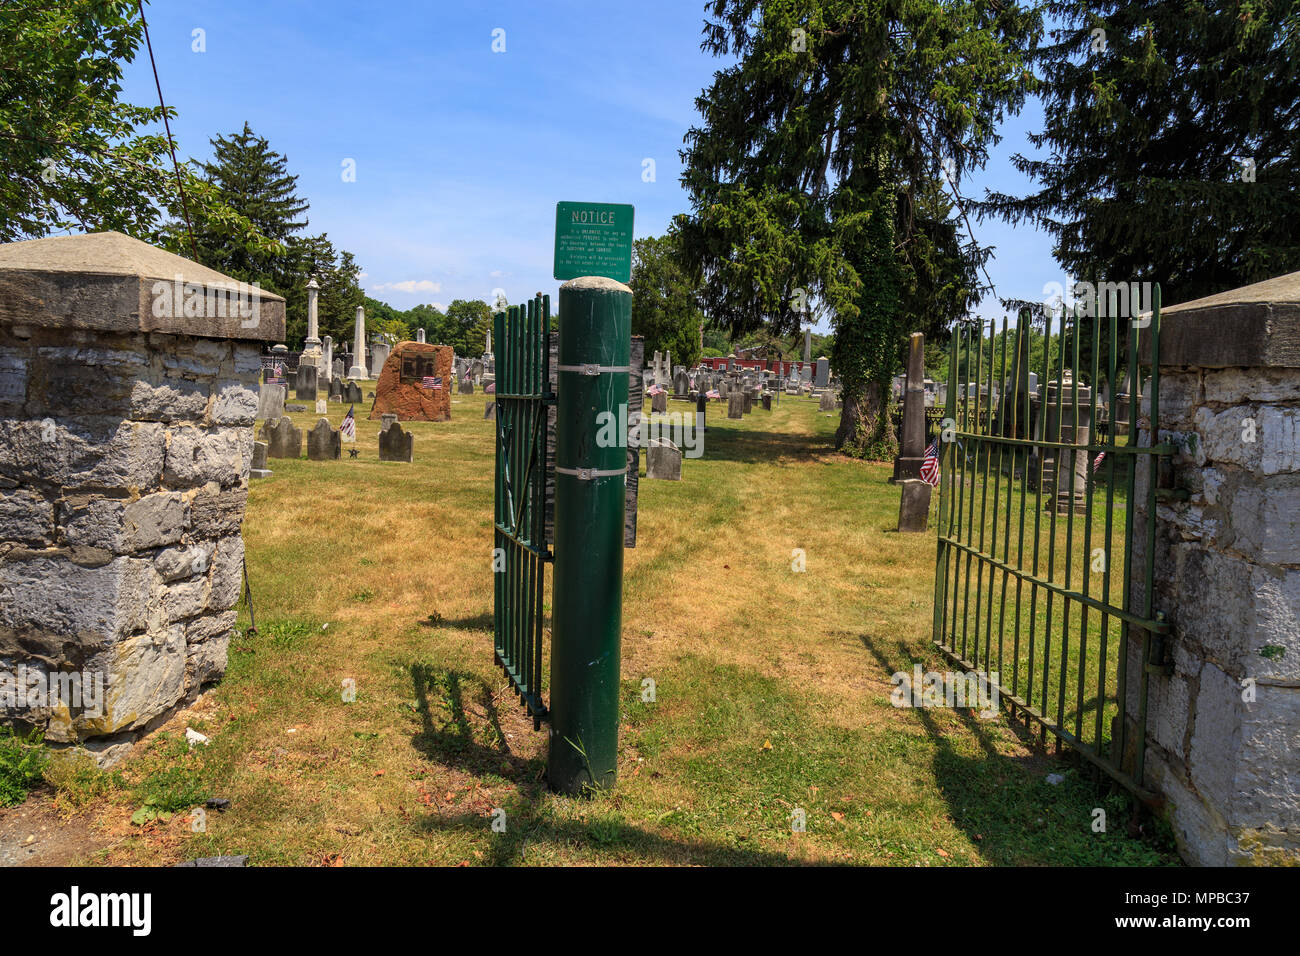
(171, 143)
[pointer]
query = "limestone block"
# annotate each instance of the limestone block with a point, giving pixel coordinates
(53, 602)
(227, 573)
(99, 453)
(26, 517)
(1235, 386)
(173, 564)
(186, 598)
(235, 403)
(169, 401)
(216, 512)
(199, 455)
(122, 526)
(146, 676)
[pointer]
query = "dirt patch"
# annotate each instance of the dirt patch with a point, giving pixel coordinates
(34, 834)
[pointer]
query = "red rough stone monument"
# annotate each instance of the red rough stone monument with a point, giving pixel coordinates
(415, 384)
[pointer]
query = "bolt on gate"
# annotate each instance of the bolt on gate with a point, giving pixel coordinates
(1035, 570)
(523, 394)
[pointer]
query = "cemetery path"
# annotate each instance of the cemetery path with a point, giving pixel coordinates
(768, 600)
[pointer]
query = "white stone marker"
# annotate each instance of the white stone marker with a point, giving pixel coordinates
(358, 370)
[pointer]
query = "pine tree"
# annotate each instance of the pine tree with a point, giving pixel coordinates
(1170, 131)
(813, 180)
(253, 180)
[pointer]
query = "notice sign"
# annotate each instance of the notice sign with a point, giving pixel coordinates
(593, 239)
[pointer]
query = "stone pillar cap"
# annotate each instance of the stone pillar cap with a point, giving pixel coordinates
(110, 282)
(1255, 325)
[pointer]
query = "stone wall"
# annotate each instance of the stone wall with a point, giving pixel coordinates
(1223, 741)
(124, 459)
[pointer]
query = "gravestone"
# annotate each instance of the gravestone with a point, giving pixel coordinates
(911, 446)
(419, 336)
(747, 401)
(735, 405)
(270, 401)
(338, 370)
(321, 407)
(379, 352)
(306, 390)
(659, 402)
(336, 390)
(414, 384)
(352, 393)
(258, 467)
(681, 383)
(324, 443)
(466, 385)
(822, 377)
(327, 359)
(701, 409)
(767, 401)
(395, 444)
(827, 401)
(663, 460)
(914, 505)
(282, 439)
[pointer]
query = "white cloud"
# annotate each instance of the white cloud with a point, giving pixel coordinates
(409, 285)
(496, 274)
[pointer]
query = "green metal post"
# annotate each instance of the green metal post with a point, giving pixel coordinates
(595, 342)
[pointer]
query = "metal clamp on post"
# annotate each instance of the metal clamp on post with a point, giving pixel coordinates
(594, 369)
(588, 474)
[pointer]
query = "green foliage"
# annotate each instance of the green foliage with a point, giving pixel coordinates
(815, 179)
(253, 179)
(22, 762)
(664, 307)
(1149, 110)
(466, 326)
(72, 152)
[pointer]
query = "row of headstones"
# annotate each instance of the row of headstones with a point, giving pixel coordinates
(280, 438)
(271, 398)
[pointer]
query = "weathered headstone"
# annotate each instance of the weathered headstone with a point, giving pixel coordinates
(258, 467)
(914, 505)
(747, 401)
(663, 460)
(336, 390)
(321, 407)
(827, 401)
(659, 402)
(282, 438)
(352, 393)
(822, 377)
(395, 444)
(767, 401)
(466, 385)
(270, 401)
(306, 390)
(358, 369)
(324, 443)
(911, 451)
(419, 336)
(735, 405)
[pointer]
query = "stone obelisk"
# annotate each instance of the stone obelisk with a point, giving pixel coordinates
(358, 370)
(311, 353)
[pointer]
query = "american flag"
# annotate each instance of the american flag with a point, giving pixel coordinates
(431, 381)
(930, 465)
(348, 429)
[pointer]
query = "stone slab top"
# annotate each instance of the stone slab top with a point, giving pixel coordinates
(1254, 326)
(110, 282)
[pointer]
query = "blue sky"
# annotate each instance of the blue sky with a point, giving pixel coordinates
(461, 152)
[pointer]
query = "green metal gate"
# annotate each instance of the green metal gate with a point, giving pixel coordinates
(523, 397)
(1036, 570)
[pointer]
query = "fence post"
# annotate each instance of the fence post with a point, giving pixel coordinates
(590, 482)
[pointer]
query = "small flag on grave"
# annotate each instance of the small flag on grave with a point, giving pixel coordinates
(433, 382)
(930, 465)
(348, 430)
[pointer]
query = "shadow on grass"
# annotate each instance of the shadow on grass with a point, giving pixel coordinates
(531, 818)
(724, 443)
(1012, 815)
(479, 622)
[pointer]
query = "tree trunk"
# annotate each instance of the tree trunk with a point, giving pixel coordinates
(864, 430)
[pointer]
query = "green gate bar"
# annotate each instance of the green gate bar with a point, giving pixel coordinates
(1056, 472)
(595, 340)
(519, 556)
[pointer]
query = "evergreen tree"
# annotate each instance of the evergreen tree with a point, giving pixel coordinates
(664, 307)
(1170, 132)
(253, 180)
(813, 179)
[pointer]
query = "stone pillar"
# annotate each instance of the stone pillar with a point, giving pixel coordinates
(358, 370)
(419, 336)
(128, 389)
(311, 353)
(327, 360)
(807, 346)
(912, 447)
(1223, 730)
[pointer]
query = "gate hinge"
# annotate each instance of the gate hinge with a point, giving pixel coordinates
(1160, 661)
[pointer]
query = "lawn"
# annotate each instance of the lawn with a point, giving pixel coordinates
(771, 685)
